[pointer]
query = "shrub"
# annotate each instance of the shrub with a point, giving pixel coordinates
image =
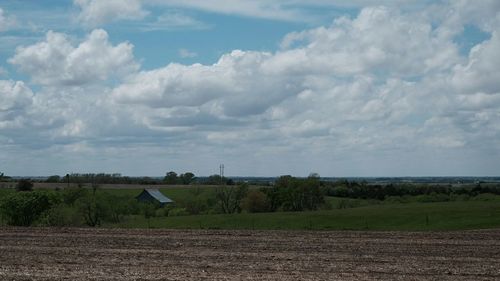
(24, 185)
(70, 195)
(23, 208)
(433, 197)
(178, 212)
(255, 202)
(61, 215)
(486, 197)
(346, 203)
(194, 205)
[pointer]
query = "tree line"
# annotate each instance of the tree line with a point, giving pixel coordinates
(171, 178)
(363, 190)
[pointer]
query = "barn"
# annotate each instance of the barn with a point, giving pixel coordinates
(153, 195)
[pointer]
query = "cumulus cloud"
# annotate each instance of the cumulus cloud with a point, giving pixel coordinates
(15, 97)
(95, 12)
(228, 87)
(481, 72)
(311, 70)
(381, 80)
(56, 61)
(387, 83)
(353, 46)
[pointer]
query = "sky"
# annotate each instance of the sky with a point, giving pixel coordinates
(268, 88)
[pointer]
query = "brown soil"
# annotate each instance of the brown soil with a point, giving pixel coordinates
(117, 254)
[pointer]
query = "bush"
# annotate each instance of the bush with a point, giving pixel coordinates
(178, 212)
(486, 197)
(433, 197)
(61, 215)
(396, 199)
(70, 195)
(255, 202)
(23, 208)
(346, 203)
(24, 185)
(194, 205)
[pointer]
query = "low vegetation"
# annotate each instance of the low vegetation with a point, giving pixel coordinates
(290, 203)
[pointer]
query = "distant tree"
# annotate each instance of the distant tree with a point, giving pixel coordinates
(186, 178)
(218, 180)
(214, 180)
(171, 178)
(24, 185)
(53, 179)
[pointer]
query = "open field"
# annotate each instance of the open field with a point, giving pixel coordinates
(456, 215)
(117, 254)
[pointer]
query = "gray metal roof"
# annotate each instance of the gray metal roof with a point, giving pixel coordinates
(158, 196)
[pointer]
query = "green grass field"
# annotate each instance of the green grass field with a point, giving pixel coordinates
(409, 216)
(482, 211)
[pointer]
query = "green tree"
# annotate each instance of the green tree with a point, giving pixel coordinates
(293, 194)
(171, 178)
(186, 178)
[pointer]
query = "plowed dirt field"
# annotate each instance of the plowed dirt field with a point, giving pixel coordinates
(117, 254)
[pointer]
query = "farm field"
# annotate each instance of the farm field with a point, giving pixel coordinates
(133, 254)
(458, 215)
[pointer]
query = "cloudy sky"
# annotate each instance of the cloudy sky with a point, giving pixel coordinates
(141, 87)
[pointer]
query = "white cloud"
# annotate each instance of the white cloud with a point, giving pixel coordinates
(6, 22)
(383, 89)
(275, 10)
(253, 83)
(55, 61)
(174, 20)
(227, 87)
(481, 73)
(185, 53)
(15, 97)
(96, 12)
(362, 44)
(282, 10)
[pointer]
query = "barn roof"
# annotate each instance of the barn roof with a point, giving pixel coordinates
(156, 194)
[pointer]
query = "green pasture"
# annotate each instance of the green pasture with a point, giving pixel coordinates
(398, 216)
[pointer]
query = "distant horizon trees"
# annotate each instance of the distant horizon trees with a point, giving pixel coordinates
(172, 178)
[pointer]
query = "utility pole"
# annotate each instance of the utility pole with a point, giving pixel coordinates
(221, 173)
